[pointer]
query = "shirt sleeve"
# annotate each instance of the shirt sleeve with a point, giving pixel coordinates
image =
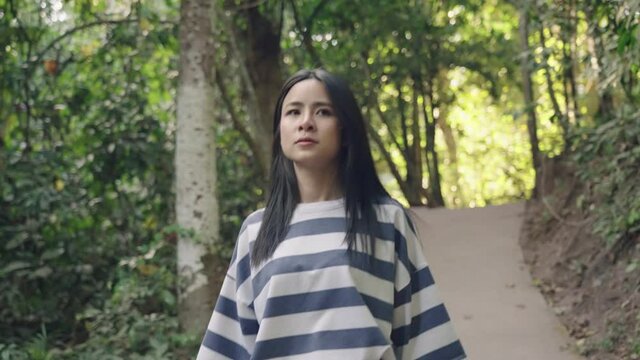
(232, 330)
(421, 325)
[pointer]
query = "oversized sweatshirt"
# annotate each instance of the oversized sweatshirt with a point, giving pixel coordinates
(314, 299)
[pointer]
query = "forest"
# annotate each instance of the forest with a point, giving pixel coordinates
(135, 136)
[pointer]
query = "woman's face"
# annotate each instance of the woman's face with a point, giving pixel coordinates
(309, 127)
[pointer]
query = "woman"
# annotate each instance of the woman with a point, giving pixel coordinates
(332, 267)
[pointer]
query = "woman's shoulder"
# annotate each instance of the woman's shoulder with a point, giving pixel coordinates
(386, 199)
(391, 209)
(388, 204)
(252, 219)
(255, 216)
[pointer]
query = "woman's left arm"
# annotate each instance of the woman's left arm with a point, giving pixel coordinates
(421, 325)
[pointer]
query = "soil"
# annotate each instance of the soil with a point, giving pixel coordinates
(593, 288)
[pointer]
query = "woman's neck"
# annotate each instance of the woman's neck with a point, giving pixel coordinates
(316, 185)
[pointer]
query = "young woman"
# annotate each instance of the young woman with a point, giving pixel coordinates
(332, 267)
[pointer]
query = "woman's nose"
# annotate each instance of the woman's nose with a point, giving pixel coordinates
(308, 122)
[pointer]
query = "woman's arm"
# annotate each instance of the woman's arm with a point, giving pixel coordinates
(421, 325)
(232, 330)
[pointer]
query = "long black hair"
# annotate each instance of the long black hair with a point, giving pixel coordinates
(360, 183)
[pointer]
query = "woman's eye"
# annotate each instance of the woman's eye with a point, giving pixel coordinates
(292, 112)
(325, 112)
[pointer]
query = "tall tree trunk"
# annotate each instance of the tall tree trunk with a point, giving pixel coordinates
(263, 62)
(528, 95)
(414, 170)
(195, 163)
(416, 147)
(557, 113)
(597, 52)
(572, 20)
(371, 97)
(447, 133)
(435, 191)
(254, 42)
(3, 125)
(386, 155)
(592, 96)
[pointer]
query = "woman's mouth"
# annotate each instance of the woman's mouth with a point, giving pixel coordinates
(306, 141)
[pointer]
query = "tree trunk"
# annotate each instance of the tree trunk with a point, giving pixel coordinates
(415, 147)
(263, 61)
(572, 19)
(449, 138)
(3, 125)
(559, 116)
(414, 170)
(435, 191)
(528, 96)
(195, 163)
(597, 52)
(254, 42)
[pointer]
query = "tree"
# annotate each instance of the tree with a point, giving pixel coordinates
(195, 162)
(252, 60)
(527, 89)
(397, 56)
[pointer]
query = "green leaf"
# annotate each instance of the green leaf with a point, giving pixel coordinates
(13, 266)
(17, 240)
(51, 254)
(42, 272)
(168, 297)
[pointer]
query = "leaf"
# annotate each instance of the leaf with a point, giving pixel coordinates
(168, 297)
(13, 266)
(147, 269)
(59, 185)
(42, 272)
(16, 241)
(160, 347)
(51, 254)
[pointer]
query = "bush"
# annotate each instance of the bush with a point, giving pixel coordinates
(609, 160)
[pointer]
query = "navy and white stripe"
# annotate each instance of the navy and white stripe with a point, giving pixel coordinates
(314, 300)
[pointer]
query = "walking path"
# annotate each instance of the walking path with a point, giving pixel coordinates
(478, 267)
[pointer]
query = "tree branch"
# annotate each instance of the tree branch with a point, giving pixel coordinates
(235, 119)
(305, 30)
(552, 93)
(372, 99)
(75, 30)
(245, 78)
(315, 13)
(403, 119)
(248, 6)
(70, 32)
(387, 157)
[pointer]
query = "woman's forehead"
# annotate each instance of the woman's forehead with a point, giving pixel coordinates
(307, 92)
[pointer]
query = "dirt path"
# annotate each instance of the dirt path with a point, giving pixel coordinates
(477, 263)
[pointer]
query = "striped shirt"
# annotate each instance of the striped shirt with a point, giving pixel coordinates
(314, 300)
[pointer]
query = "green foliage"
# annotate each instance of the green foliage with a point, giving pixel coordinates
(87, 257)
(608, 153)
(609, 158)
(457, 59)
(139, 321)
(87, 179)
(601, 127)
(49, 247)
(87, 252)
(239, 189)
